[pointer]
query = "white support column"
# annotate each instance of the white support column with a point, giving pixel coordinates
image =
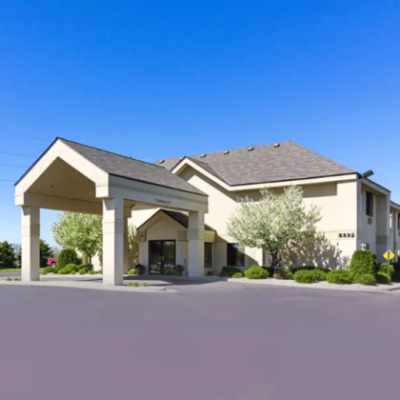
(126, 247)
(113, 241)
(30, 230)
(196, 244)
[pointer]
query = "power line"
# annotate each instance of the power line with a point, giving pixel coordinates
(27, 136)
(19, 155)
(14, 166)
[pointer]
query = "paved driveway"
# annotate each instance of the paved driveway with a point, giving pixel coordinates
(214, 341)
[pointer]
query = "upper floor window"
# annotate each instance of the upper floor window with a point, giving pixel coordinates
(370, 204)
(235, 255)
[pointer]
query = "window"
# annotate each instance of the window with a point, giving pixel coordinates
(207, 255)
(235, 255)
(370, 204)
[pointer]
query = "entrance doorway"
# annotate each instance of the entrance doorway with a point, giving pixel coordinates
(161, 257)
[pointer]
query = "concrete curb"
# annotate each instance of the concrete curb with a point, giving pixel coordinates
(90, 286)
(319, 285)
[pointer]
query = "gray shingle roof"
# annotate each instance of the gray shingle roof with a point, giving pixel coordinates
(265, 163)
(130, 168)
(178, 216)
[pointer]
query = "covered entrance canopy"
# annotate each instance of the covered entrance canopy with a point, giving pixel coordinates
(70, 176)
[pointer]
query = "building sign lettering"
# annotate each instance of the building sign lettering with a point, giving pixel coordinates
(347, 235)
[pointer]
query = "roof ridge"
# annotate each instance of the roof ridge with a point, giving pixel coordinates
(230, 149)
(109, 152)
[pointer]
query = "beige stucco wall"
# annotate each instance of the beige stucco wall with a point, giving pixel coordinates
(338, 202)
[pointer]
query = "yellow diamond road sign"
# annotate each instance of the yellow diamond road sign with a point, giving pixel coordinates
(389, 255)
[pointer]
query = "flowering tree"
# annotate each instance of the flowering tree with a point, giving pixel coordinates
(82, 232)
(275, 222)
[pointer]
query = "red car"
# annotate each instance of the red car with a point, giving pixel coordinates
(52, 261)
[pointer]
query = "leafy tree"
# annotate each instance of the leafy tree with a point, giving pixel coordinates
(45, 252)
(82, 232)
(274, 222)
(133, 246)
(7, 255)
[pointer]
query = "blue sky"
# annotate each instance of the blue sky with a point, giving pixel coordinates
(158, 79)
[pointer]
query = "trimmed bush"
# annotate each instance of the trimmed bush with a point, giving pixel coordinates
(134, 284)
(144, 284)
(283, 274)
(67, 256)
(269, 269)
(396, 276)
(256, 272)
(228, 272)
(396, 266)
(362, 262)
(83, 271)
(339, 276)
(237, 275)
(383, 268)
(303, 268)
(366, 279)
(66, 270)
(92, 272)
(100, 271)
(305, 276)
(49, 270)
(382, 278)
(132, 271)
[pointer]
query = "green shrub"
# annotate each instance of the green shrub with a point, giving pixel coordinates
(396, 266)
(132, 271)
(283, 274)
(366, 279)
(362, 262)
(66, 270)
(134, 284)
(269, 269)
(384, 267)
(229, 271)
(396, 276)
(9, 279)
(49, 270)
(303, 268)
(89, 267)
(382, 278)
(237, 275)
(305, 276)
(17, 279)
(339, 276)
(256, 272)
(67, 256)
(144, 284)
(92, 272)
(100, 271)
(83, 271)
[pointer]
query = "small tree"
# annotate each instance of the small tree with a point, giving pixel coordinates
(45, 253)
(82, 232)
(274, 222)
(7, 255)
(133, 246)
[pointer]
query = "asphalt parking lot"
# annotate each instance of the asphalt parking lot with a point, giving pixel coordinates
(222, 341)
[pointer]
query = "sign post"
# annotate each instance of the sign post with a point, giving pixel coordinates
(389, 256)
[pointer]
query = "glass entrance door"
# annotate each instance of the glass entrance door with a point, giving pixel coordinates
(161, 257)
